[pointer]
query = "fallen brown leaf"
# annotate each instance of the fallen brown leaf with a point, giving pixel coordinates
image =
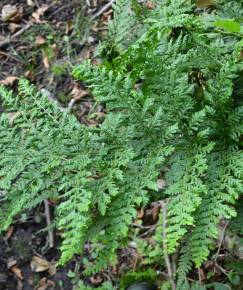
(11, 262)
(8, 81)
(204, 3)
(44, 283)
(40, 40)
(29, 75)
(151, 214)
(69, 26)
(55, 49)
(9, 232)
(201, 274)
(161, 183)
(96, 280)
(39, 13)
(140, 213)
(94, 3)
(78, 93)
(30, 3)
(46, 62)
(13, 27)
(17, 272)
(52, 268)
(38, 264)
(12, 116)
(150, 5)
(11, 13)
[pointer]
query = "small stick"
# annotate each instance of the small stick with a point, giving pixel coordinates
(166, 256)
(199, 276)
(48, 222)
(103, 9)
(15, 35)
(71, 104)
(221, 269)
(222, 234)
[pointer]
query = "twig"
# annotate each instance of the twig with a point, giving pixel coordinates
(103, 9)
(166, 256)
(174, 259)
(150, 229)
(222, 234)
(63, 7)
(71, 104)
(48, 221)
(221, 269)
(15, 35)
(9, 56)
(199, 276)
(143, 227)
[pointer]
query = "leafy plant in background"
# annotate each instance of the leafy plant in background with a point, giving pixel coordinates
(171, 100)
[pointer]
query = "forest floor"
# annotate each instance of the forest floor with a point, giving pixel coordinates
(41, 40)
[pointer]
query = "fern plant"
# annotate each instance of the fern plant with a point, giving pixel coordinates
(169, 100)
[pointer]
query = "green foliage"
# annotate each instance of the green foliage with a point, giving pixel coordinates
(105, 286)
(228, 25)
(149, 275)
(169, 98)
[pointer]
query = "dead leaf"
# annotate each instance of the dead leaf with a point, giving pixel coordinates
(9, 232)
(2, 38)
(96, 280)
(39, 13)
(29, 75)
(78, 93)
(241, 54)
(11, 262)
(204, 3)
(152, 214)
(86, 53)
(19, 285)
(150, 5)
(11, 13)
(44, 283)
(106, 17)
(90, 40)
(12, 116)
(46, 62)
(201, 274)
(94, 3)
(30, 3)
(69, 26)
(140, 213)
(52, 269)
(38, 264)
(13, 27)
(8, 81)
(55, 49)
(40, 40)
(161, 183)
(17, 272)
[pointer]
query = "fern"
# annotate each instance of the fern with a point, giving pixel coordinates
(170, 101)
(206, 123)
